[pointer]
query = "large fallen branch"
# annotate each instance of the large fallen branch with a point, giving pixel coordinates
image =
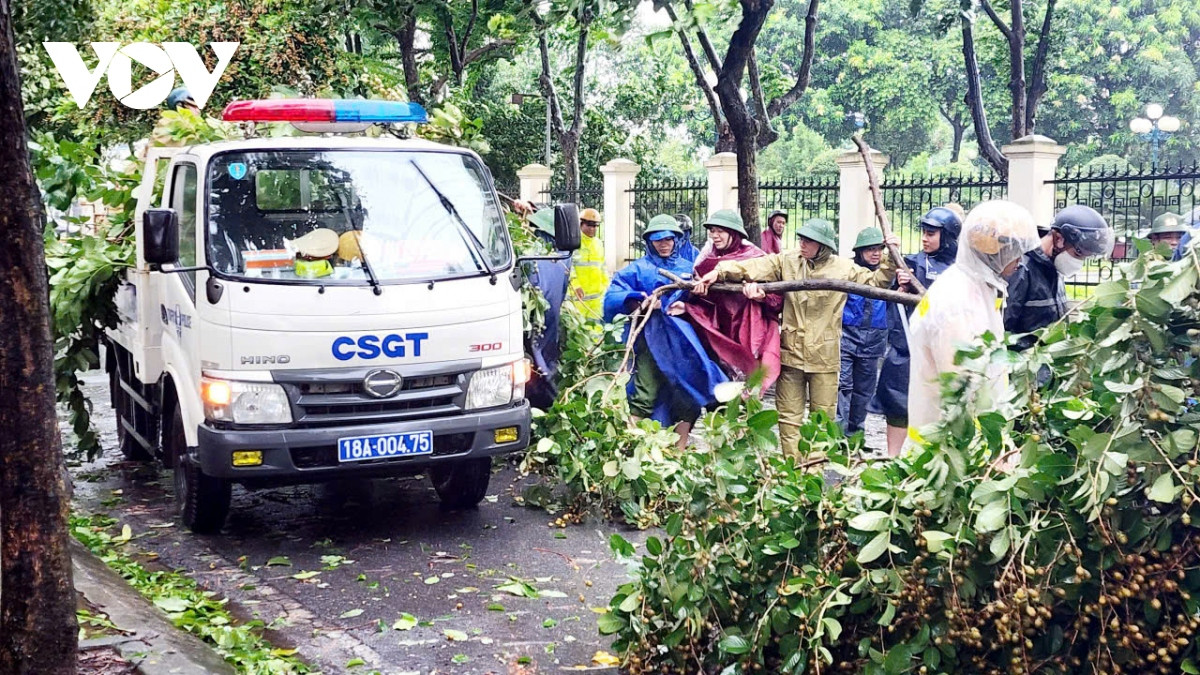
(800, 285)
(880, 211)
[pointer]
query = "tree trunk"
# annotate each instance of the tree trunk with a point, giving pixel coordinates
(38, 631)
(405, 41)
(737, 113)
(1037, 82)
(1016, 80)
(569, 144)
(956, 150)
(974, 100)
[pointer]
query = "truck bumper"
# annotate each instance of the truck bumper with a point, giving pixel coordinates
(310, 455)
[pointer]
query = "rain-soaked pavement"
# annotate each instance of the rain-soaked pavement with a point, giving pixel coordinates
(377, 571)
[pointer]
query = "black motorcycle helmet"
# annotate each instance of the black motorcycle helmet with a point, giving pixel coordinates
(948, 222)
(1085, 229)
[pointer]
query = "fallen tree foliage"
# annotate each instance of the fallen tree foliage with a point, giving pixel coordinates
(1055, 535)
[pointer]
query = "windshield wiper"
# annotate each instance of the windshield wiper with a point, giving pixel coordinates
(362, 253)
(476, 244)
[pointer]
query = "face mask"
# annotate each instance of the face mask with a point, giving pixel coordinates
(1067, 264)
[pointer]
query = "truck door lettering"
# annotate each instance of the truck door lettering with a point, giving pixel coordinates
(392, 345)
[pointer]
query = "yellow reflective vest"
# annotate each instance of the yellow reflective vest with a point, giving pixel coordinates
(589, 278)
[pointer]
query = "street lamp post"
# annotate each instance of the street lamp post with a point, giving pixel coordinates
(518, 99)
(1154, 127)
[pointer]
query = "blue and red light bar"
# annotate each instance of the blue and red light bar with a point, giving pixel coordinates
(324, 110)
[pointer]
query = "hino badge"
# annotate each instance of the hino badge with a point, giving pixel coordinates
(311, 308)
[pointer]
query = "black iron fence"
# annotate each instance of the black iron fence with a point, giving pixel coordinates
(586, 196)
(801, 199)
(908, 197)
(1130, 199)
(688, 197)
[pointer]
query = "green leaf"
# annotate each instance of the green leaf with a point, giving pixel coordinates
(355, 662)
(935, 540)
(455, 635)
(350, 614)
(279, 560)
(620, 546)
(871, 521)
(875, 547)
(630, 603)
(734, 644)
(993, 516)
(172, 605)
(405, 622)
(1163, 489)
(609, 623)
(549, 623)
(611, 468)
(654, 546)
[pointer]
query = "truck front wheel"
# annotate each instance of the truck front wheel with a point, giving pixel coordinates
(462, 485)
(203, 500)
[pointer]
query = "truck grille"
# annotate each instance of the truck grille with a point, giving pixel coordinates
(340, 400)
(327, 456)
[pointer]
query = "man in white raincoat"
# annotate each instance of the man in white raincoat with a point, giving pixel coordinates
(965, 304)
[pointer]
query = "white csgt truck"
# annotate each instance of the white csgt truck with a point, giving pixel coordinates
(315, 308)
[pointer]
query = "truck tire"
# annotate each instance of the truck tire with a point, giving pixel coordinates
(462, 485)
(203, 500)
(132, 450)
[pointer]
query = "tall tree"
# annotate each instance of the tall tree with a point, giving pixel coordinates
(749, 117)
(439, 42)
(38, 631)
(1025, 93)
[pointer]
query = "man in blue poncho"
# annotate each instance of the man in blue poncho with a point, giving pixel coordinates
(673, 377)
(552, 278)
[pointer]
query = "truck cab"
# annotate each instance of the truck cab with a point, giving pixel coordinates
(305, 309)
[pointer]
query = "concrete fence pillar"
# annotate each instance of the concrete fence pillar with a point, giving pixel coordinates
(722, 182)
(535, 182)
(617, 232)
(1032, 163)
(856, 207)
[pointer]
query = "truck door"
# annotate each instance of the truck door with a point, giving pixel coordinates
(178, 291)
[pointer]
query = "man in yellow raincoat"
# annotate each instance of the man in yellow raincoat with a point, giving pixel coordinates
(812, 320)
(589, 278)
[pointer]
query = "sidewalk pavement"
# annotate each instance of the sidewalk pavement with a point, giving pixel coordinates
(151, 641)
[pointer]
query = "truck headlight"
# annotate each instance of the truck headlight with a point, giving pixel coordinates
(497, 386)
(244, 402)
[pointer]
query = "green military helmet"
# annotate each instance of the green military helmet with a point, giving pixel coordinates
(820, 231)
(871, 236)
(543, 220)
(728, 219)
(662, 223)
(1168, 223)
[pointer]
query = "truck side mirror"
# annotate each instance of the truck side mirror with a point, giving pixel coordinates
(160, 236)
(566, 227)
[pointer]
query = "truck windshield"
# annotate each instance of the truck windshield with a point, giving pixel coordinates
(321, 216)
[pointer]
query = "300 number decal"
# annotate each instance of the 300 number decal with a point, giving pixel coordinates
(490, 347)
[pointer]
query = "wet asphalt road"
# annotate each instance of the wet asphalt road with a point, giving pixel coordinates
(377, 571)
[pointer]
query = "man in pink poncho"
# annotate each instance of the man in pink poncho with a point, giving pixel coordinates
(742, 333)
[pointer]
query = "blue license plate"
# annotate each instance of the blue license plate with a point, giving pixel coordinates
(382, 446)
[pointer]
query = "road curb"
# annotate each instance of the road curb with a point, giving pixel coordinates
(153, 642)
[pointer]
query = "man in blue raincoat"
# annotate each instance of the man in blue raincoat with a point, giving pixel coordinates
(864, 340)
(551, 277)
(673, 377)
